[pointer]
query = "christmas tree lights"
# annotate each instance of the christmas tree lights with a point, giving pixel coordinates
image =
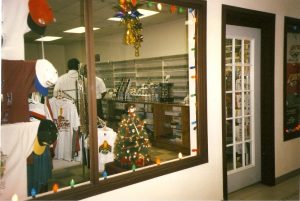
(132, 143)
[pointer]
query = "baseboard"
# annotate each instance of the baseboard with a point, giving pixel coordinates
(287, 176)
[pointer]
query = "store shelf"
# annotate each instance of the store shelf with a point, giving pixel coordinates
(145, 70)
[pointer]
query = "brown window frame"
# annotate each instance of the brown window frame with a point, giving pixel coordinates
(95, 186)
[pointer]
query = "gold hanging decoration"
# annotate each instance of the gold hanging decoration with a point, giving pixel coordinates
(127, 11)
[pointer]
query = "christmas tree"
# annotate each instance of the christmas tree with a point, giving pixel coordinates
(132, 148)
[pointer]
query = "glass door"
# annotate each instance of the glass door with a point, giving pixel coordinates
(238, 92)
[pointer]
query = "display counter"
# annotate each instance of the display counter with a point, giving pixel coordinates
(166, 123)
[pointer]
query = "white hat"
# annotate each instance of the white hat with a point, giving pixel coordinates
(46, 73)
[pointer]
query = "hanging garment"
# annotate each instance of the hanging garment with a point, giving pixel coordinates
(106, 142)
(17, 82)
(66, 118)
(14, 26)
(39, 172)
(17, 143)
(39, 166)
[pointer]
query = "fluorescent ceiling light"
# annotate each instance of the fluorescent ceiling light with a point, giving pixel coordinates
(48, 38)
(144, 12)
(79, 30)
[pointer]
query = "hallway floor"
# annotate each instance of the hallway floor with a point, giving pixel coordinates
(285, 190)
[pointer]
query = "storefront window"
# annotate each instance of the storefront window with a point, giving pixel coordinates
(150, 81)
(150, 93)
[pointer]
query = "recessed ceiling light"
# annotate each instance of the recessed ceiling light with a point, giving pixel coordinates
(48, 38)
(144, 12)
(79, 30)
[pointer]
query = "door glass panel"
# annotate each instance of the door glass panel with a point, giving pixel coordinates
(228, 51)
(238, 156)
(247, 77)
(247, 130)
(248, 154)
(238, 104)
(229, 105)
(238, 130)
(228, 78)
(238, 51)
(229, 154)
(229, 136)
(247, 103)
(238, 75)
(246, 51)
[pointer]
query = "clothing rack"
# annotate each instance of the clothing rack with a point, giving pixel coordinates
(64, 94)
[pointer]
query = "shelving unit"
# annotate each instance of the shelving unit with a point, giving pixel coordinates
(149, 69)
(172, 126)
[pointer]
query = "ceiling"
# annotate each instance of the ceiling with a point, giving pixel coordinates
(69, 14)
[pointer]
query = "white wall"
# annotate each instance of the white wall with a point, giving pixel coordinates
(285, 158)
(157, 42)
(76, 50)
(53, 53)
(204, 182)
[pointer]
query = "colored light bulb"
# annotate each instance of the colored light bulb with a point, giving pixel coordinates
(133, 167)
(180, 155)
(157, 161)
(33, 192)
(15, 197)
(104, 174)
(180, 10)
(149, 4)
(55, 188)
(72, 183)
(133, 2)
(159, 6)
(173, 9)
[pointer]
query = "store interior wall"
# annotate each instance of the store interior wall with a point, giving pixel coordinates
(111, 48)
(54, 53)
(204, 182)
(158, 41)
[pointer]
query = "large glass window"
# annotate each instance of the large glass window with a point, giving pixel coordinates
(155, 75)
(150, 93)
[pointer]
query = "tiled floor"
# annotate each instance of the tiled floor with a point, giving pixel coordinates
(285, 190)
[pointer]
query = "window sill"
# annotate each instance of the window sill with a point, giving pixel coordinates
(120, 181)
